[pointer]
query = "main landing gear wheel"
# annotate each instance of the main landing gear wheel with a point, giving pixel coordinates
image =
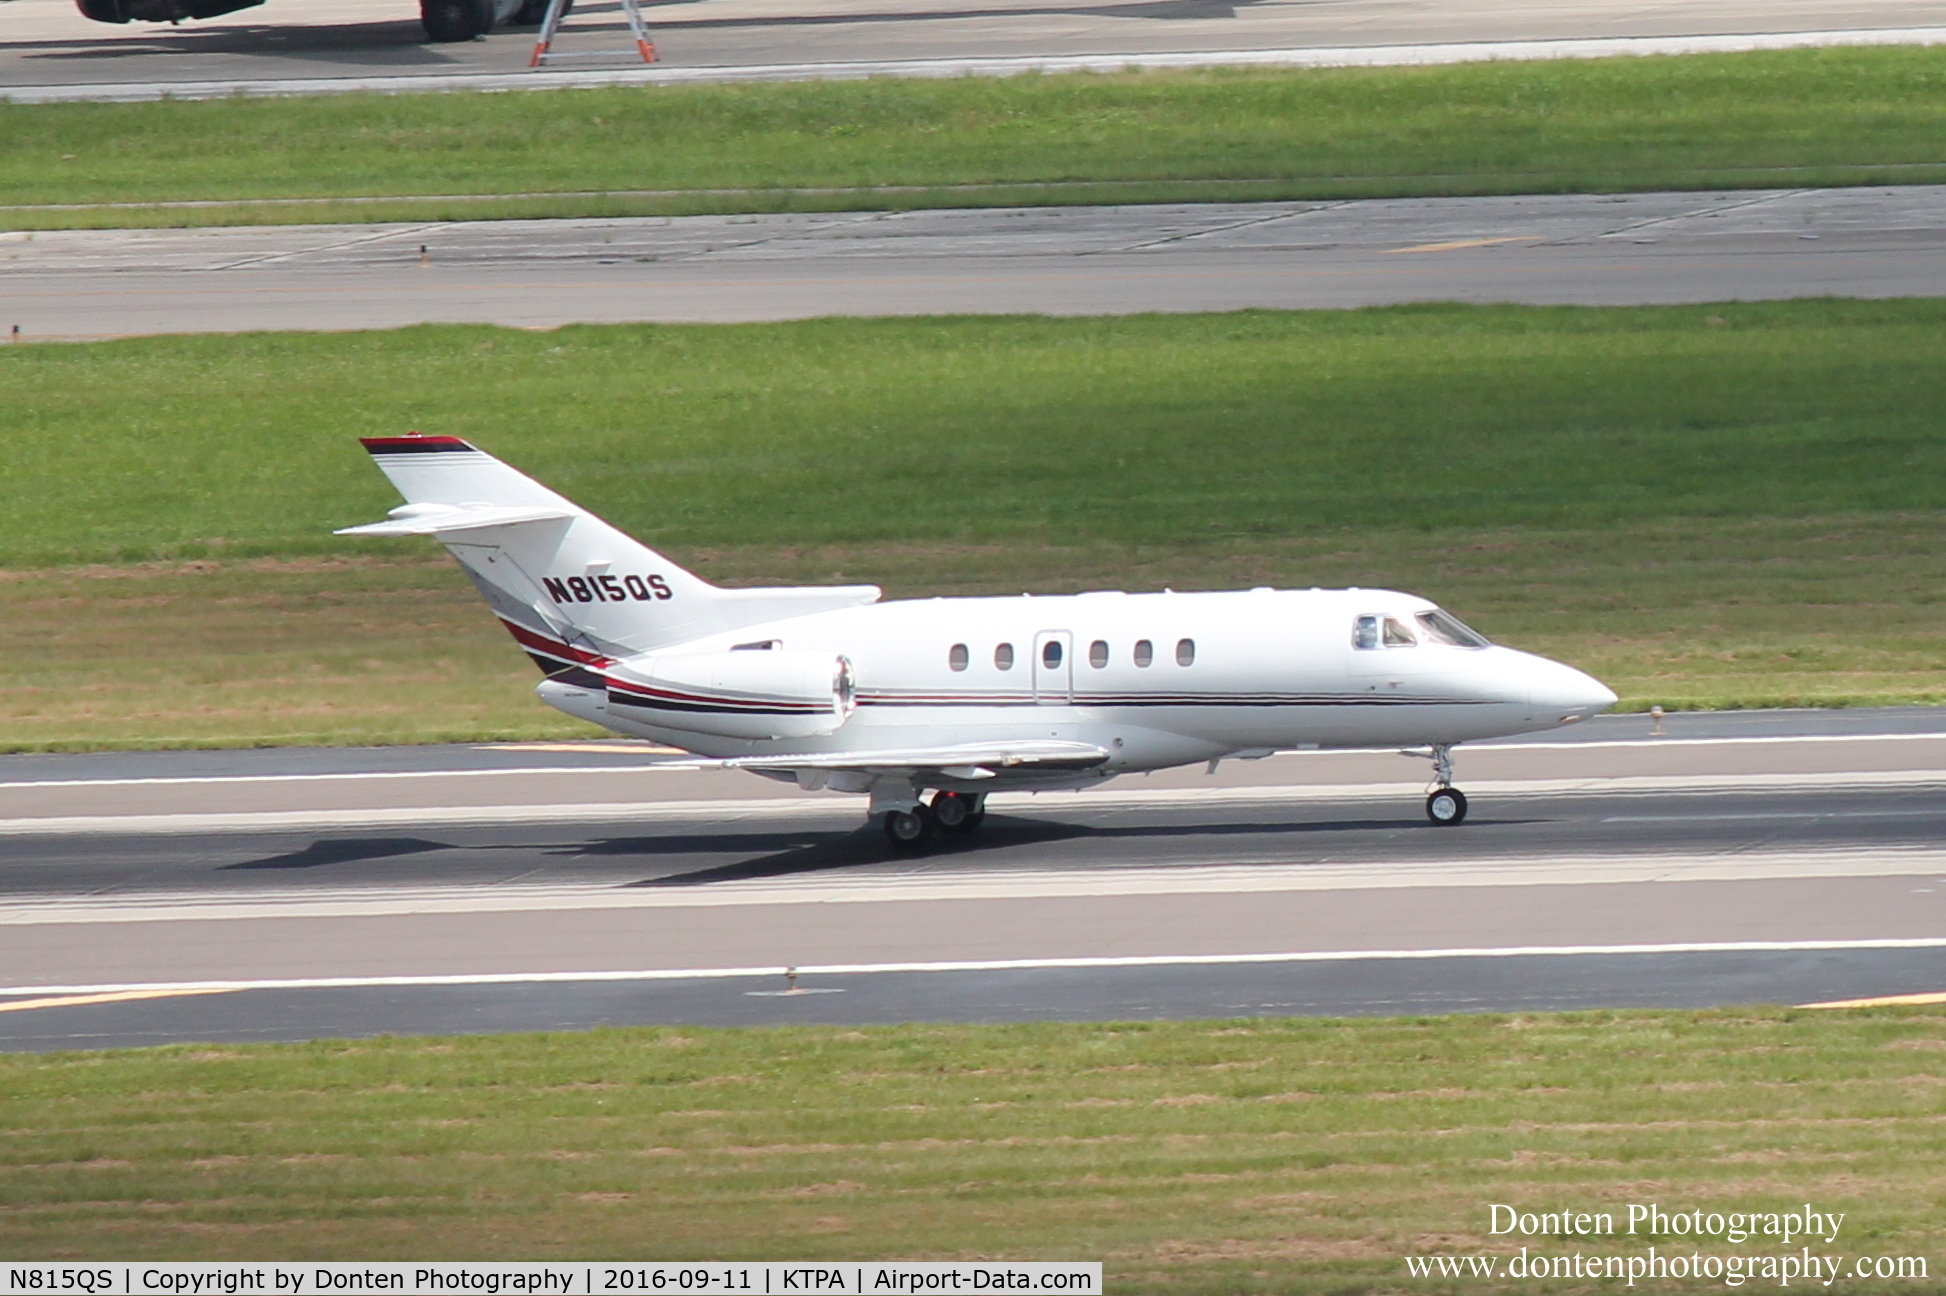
(958, 812)
(1446, 807)
(910, 831)
(532, 13)
(446, 21)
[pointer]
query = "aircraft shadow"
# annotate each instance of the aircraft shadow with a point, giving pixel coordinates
(343, 850)
(390, 44)
(792, 854)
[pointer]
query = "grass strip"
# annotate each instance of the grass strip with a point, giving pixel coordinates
(1796, 117)
(1731, 505)
(1262, 1155)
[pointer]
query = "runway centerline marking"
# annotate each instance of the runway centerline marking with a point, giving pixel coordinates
(985, 965)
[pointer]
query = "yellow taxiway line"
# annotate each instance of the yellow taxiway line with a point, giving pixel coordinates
(1457, 244)
(1884, 1001)
(118, 996)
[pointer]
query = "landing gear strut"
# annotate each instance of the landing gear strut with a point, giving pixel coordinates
(1446, 804)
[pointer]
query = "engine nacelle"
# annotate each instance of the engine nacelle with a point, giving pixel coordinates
(169, 11)
(744, 693)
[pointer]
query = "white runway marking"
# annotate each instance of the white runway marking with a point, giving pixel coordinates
(1874, 815)
(994, 965)
(662, 763)
(1338, 56)
(385, 776)
(841, 807)
(1225, 877)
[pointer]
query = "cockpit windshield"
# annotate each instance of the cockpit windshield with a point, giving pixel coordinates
(1445, 628)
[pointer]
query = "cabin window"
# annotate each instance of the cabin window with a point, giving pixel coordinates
(1003, 657)
(1397, 636)
(1144, 652)
(1364, 632)
(957, 657)
(1445, 628)
(1185, 652)
(1051, 653)
(1098, 653)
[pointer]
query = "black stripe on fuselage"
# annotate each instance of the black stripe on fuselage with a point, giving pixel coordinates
(712, 708)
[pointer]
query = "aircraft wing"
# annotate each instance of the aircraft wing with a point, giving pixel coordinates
(969, 761)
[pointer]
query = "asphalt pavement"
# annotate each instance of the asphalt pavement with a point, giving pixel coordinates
(1613, 249)
(303, 43)
(1736, 857)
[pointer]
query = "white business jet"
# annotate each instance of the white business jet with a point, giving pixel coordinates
(927, 705)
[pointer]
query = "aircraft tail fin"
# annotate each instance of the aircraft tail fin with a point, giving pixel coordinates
(573, 590)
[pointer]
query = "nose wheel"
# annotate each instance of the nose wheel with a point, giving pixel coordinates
(1446, 807)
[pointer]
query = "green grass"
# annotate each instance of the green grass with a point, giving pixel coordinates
(1147, 430)
(1808, 117)
(1218, 1157)
(1740, 513)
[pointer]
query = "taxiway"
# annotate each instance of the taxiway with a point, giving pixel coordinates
(1612, 249)
(303, 46)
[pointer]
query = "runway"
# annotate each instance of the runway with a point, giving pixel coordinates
(1618, 249)
(46, 43)
(232, 896)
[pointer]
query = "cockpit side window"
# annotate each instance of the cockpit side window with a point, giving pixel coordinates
(1445, 628)
(1397, 636)
(1364, 632)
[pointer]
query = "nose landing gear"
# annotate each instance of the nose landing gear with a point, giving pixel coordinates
(1446, 804)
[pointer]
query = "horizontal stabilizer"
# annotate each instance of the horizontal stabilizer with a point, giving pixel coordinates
(438, 519)
(962, 761)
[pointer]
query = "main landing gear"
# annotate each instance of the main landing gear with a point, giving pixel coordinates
(1446, 804)
(912, 831)
(456, 20)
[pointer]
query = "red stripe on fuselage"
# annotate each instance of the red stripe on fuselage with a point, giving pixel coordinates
(554, 647)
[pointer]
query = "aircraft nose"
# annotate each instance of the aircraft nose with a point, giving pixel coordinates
(1563, 694)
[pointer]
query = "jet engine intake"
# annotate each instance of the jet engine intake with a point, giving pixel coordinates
(766, 694)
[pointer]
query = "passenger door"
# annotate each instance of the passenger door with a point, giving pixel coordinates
(1053, 667)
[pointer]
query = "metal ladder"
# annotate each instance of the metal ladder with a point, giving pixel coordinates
(551, 25)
